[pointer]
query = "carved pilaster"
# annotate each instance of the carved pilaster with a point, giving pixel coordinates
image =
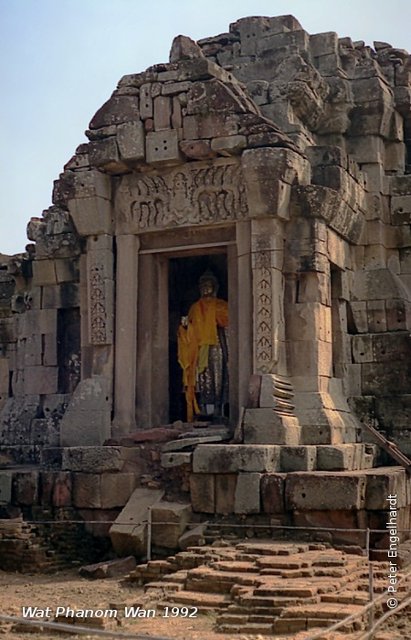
(100, 288)
(267, 258)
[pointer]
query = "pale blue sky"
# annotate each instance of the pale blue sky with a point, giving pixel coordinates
(61, 59)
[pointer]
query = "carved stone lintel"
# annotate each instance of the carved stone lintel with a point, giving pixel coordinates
(185, 196)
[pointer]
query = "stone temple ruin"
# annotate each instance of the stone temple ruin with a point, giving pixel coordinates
(279, 161)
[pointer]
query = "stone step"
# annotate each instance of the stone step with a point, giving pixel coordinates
(176, 577)
(232, 618)
(234, 566)
(196, 599)
(281, 563)
(273, 548)
(275, 602)
(287, 625)
(297, 573)
(206, 579)
(323, 610)
(346, 597)
(286, 591)
(256, 628)
(161, 585)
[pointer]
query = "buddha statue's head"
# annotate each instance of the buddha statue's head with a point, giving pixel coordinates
(208, 284)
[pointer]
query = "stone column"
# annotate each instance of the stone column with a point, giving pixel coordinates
(269, 175)
(270, 420)
(126, 334)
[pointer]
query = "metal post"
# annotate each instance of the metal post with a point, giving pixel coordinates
(370, 583)
(149, 521)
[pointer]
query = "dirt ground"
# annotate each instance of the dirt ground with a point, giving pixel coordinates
(67, 589)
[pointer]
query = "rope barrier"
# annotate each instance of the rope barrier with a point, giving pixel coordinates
(196, 524)
(80, 629)
(391, 612)
(364, 610)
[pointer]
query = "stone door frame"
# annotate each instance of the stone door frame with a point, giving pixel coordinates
(141, 389)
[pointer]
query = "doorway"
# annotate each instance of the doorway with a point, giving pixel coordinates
(183, 278)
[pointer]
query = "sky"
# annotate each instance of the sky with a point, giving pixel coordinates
(60, 60)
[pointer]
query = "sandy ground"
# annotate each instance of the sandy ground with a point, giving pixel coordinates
(67, 589)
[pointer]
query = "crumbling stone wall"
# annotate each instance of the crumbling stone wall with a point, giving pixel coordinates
(347, 106)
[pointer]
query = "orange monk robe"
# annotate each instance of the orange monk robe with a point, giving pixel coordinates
(204, 317)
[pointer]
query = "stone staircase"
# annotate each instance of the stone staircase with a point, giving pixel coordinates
(267, 587)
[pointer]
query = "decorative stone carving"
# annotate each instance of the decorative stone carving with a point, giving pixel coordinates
(263, 268)
(100, 321)
(54, 234)
(187, 196)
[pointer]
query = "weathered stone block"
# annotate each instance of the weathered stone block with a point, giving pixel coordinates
(44, 432)
(322, 491)
(162, 147)
(44, 272)
(300, 458)
(334, 519)
(87, 420)
(175, 459)
(131, 141)
(32, 351)
(146, 101)
(265, 426)
(225, 491)
(92, 459)
(172, 519)
(40, 380)
(202, 491)
(193, 537)
(129, 532)
(247, 493)
(117, 109)
(196, 149)
(268, 172)
(25, 489)
(359, 316)
(116, 488)
(235, 457)
(92, 215)
(336, 457)
(382, 483)
(37, 321)
(162, 113)
(104, 153)
(87, 490)
(309, 357)
(109, 568)
(67, 271)
(55, 488)
(62, 490)
(5, 487)
(272, 492)
(397, 315)
(229, 145)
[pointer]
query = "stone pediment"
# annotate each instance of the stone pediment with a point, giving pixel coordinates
(191, 109)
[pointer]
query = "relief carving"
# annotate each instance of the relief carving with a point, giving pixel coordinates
(261, 262)
(264, 351)
(99, 329)
(185, 196)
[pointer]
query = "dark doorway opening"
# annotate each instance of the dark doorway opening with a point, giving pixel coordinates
(183, 278)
